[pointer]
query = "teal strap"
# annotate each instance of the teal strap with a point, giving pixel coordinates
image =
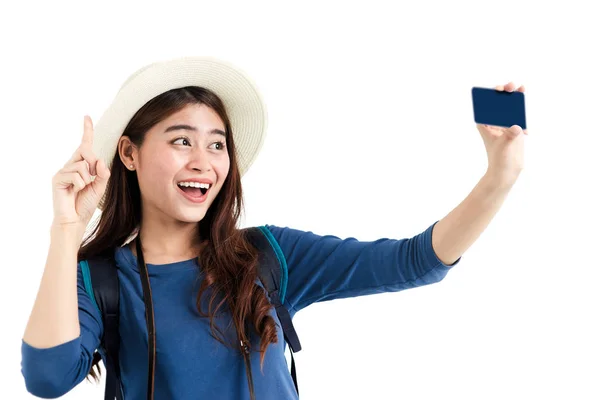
(280, 258)
(87, 282)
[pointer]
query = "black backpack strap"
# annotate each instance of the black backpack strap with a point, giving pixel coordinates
(272, 271)
(100, 273)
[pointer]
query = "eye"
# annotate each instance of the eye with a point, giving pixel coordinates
(181, 138)
(220, 143)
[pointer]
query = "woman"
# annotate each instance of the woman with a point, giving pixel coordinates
(164, 164)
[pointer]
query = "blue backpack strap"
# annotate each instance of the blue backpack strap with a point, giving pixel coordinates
(102, 285)
(272, 271)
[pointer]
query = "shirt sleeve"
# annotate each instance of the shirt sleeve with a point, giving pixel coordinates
(51, 372)
(324, 268)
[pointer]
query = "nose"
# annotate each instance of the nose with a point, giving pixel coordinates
(200, 160)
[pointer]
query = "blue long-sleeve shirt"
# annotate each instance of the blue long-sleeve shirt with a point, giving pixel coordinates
(190, 363)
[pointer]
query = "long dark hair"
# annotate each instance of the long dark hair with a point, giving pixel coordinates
(231, 271)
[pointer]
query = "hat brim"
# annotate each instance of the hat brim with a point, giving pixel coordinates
(243, 102)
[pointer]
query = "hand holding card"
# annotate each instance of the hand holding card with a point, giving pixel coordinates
(499, 107)
(500, 117)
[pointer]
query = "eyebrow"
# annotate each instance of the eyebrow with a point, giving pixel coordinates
(193, 128)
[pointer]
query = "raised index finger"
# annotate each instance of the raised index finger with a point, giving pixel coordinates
(88, 132)
(84, 152)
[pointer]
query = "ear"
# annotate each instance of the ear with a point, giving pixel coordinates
(128, 152)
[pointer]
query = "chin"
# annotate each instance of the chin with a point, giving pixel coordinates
(192, 216)
(189, 212)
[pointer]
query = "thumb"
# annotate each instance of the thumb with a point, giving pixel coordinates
(102, 175)
(515, 131)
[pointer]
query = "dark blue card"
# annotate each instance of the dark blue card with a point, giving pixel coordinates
(500, 108)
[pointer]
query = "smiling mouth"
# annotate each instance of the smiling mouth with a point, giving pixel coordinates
(193, 191)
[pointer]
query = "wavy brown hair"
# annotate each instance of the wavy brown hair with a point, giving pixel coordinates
(226, 257)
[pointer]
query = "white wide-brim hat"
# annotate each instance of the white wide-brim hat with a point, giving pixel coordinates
(240, 95)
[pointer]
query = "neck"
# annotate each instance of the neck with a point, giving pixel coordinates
(164, 243)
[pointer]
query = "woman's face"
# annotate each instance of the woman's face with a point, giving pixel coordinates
(188, 145)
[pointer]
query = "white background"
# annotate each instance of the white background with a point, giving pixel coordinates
(371, 135)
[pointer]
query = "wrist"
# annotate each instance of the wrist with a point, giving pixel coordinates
(67, 232)
(496, 184)
(499, 179)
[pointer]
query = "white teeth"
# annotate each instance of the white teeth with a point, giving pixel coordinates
(195, 184)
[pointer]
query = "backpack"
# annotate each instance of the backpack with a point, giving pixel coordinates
(102, 285)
